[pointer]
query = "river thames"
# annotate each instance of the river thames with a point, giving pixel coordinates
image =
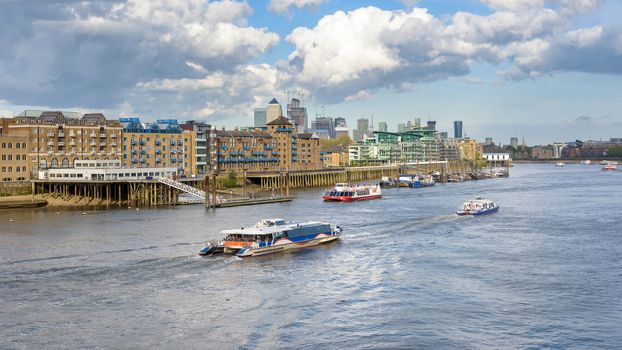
(544, 272)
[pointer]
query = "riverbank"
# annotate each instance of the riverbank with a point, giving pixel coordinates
(23, 201)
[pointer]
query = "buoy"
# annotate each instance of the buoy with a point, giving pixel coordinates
(83, 213)
(137, 209)
(58, 212)
(10, 220)
(129, 207)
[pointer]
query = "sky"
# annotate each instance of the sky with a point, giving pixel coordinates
(541, 70)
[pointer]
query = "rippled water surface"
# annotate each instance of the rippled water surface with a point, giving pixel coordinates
(545, 272)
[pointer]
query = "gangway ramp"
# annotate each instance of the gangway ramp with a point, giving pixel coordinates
(200, 194)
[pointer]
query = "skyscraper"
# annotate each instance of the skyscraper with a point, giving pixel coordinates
(409, 125)
(323, 127)
(259, 115)
(417, 122)
(382, 126)
(362, 129)
(401, 127)
(514, 141)
(297, 115)
(431, 125)
(458, 129)
(273, 110)
(341, 127)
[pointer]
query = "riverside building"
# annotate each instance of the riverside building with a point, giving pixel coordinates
(278, 148)
(57, 139)
(158, 145)
(417, 145)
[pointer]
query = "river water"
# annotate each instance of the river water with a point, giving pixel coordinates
(544, 272)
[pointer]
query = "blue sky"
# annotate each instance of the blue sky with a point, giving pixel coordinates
(545, 70)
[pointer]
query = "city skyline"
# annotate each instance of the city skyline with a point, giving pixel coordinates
(543, 71)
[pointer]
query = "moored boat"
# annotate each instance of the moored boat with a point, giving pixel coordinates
(560, 164)
(586, 162)
(388, 182)
(344, 192)
(478, 206)
(271, 236)
(415, 181)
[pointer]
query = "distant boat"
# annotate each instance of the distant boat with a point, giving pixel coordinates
(586, 162)
(560, 164)
(272, 236)
(609, 167)
(407, 180)
(344, 192)
(478, 206)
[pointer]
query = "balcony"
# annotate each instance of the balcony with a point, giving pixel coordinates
(92, 143)
(113, 144)
(180, 160)
(102, 136)
(268, 147)
(61, 143)
(294, 147)
(142, 160)
(141, 142)
(172, 160)
(158, 151)
(180, 151)
(134, 160)
(102, 144)
(50, 134)
(72, 134)
(61, 134)
(50, 143)
(172, 151)
(294, 140)
(133, 142)
(114, 136)
(142, 151)
(180, 143)
(134, 151)
(294, 153)
(158, 160)
(72, 143)
(92, 134)
(172, 142)
(157, 142)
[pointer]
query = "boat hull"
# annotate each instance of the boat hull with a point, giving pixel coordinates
(479, 213)
(286, 244)
(349, 198)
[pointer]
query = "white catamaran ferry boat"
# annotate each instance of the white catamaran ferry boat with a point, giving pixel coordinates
(272, 236)
(478, 206)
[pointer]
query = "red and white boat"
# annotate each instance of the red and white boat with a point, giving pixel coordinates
(344, 192)
(607, 167)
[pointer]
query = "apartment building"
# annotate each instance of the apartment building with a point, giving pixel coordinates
(158, 145)
(14, 164)
(56, 139)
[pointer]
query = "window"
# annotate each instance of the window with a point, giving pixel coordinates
(3, 145)
(4, 157)
(54, 163)
(4, 169)
(10, 157)
(17, 157)
(10, 145)
(10, 169)
(17, 145)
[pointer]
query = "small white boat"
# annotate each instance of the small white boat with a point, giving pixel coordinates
(271, 236)
(586, 162)
(560, 164)
(478, 206)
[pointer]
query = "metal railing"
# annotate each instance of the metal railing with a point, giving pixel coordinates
(182, 187)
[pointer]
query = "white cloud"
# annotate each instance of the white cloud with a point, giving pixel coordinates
(283, 6)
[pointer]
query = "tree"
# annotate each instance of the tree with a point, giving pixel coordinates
(342, 141)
